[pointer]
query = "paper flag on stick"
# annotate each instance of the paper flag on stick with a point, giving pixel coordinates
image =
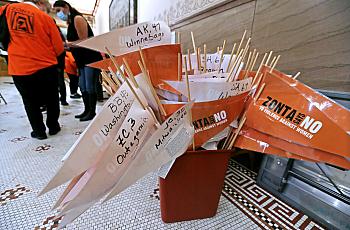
(213, 90)
(334, 111)
(253, 143)
(210, 118)
(286, 113)
(167, 143)
(116, 159)
(95, 139)
(161, 61)
(129, 39)
(302, 151)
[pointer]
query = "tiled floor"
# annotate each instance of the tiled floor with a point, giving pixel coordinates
(27, 164)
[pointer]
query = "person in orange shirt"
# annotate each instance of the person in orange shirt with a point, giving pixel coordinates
(71, 70)
(33, 50)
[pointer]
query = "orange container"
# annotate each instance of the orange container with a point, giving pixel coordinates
(193, 186)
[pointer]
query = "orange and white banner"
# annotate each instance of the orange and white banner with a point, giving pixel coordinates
(292, 150)
(283, 111)
(212, 117)
(129, 39)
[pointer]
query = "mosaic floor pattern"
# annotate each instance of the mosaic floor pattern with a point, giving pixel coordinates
(27, 164)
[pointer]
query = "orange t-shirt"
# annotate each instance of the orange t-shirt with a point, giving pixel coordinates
(70, 66)
(35, 41)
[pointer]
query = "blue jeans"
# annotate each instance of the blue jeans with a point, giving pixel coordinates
(88, 79)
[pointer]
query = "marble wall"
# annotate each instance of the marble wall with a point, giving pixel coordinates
(312, 37)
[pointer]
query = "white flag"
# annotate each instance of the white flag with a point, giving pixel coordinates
(170, 141)
(95, 139)
(101, 178)
(213, 90)
(129, 39)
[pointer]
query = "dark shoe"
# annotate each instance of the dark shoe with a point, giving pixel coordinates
(86, 106)
(88, 117)
(75, 96)
(54, 131)
(43, 108)
(64, 103)
(92, 108)
(40, 136)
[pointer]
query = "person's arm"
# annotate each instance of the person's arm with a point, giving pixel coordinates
(55, 38)
(81, 26)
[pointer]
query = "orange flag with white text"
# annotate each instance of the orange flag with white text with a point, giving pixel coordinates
(212, 117)
(284, 112)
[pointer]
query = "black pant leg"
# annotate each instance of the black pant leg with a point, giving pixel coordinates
(62, 85)
(28, 87)
(73, 83)
(50, 93)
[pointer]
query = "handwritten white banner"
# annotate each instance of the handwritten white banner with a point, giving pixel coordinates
(129, 39)
(208, 91)
(115, 160)
(167, 143)
(95, 139)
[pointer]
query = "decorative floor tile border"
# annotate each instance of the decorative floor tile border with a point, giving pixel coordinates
(12, 194)
(260, 206)
(49, 223)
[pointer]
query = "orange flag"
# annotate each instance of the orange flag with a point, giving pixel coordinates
(302, 152)
(161, 61)
(212, 117)
(252, 143)
(285, 112)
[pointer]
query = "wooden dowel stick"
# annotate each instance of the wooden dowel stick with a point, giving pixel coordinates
(189, 59)
(237, 61)
(268, 58)
(222, 55)
(241, 42)
(260, 66)
(189, 99)
(130, 74)
(275, 63)
(110, 79)
(205, 57)
(114, 77)
(193, 43)
(256, 58)
(107, 87)
(178, 37)
(179, 67)
(246, 48)
(259, 92)
(296, 75)
(231, 56)
(250, 60)
(111, 83)
(241, 123)
(199, 60)
(142, 58)
(161, 108)
(273, 60)
(179, 70)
